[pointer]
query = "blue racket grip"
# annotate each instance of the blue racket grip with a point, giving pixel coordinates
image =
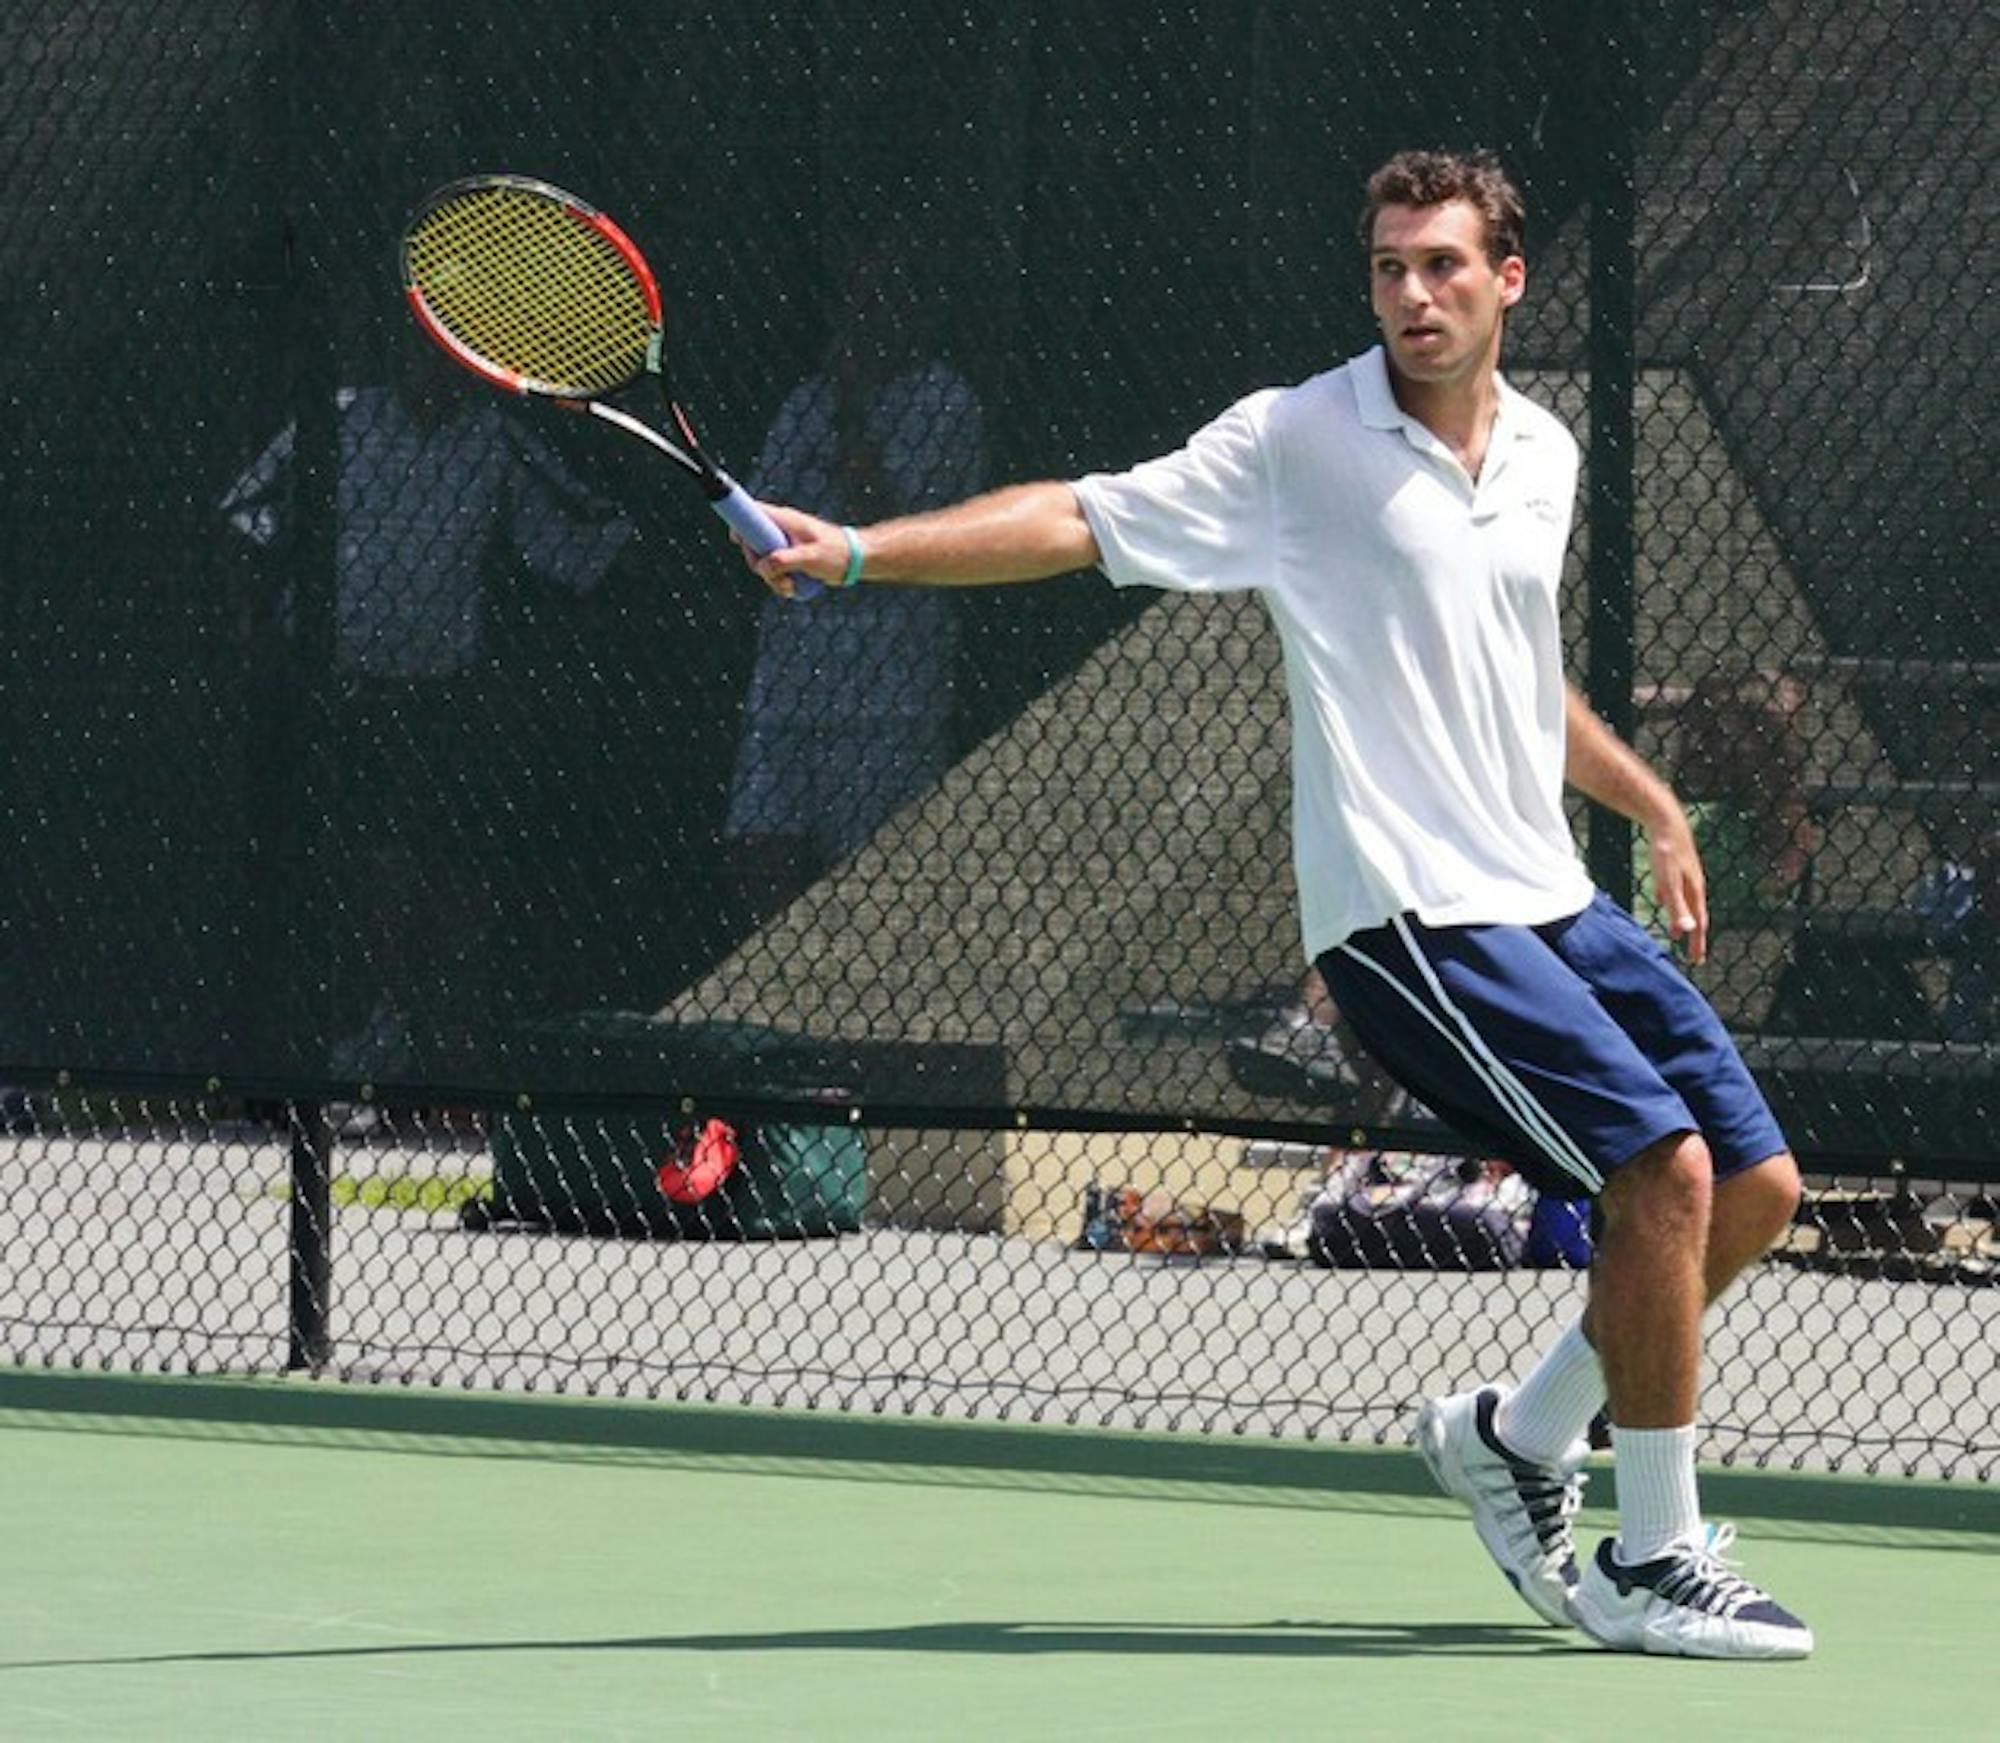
(746, 517)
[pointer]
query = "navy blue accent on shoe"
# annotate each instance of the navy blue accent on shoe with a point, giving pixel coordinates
(1694, 1582)
(1542, 1492)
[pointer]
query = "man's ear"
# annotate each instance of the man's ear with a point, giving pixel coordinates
(1513, 280)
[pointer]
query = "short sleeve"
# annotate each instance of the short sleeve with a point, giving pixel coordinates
(1196, 521)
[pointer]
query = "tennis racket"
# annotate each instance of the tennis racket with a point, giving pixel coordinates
(538, 293)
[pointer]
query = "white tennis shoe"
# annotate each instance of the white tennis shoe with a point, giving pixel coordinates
(1689, 1603)
(1522, 1511)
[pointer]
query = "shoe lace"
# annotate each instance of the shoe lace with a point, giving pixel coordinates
(1706, 1580)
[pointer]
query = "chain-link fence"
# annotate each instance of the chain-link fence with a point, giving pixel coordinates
(424, 830)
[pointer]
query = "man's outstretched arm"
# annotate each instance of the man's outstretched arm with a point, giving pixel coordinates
(1026, 532)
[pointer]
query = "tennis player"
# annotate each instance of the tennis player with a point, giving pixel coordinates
(1404, 517)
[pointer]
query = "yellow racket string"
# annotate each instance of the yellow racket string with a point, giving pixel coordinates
(521, 281)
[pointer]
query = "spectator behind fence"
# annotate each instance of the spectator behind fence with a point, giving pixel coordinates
(1304, 1050)
(1959, 904)
(441, 495)
(849, 706)
(1741, 762)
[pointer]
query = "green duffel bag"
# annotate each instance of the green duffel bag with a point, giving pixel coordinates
(709, 1179)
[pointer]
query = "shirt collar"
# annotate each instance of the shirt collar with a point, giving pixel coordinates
(1377, 400)
(1379, 410)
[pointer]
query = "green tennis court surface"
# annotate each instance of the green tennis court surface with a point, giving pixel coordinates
(256, 1559)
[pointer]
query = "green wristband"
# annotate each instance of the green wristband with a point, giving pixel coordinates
(854, 557)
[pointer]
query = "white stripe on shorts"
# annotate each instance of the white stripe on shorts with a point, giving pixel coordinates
(1508, 1091)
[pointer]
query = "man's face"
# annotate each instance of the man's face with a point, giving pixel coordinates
(1437, 298)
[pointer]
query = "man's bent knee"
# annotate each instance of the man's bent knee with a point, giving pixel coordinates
(1669, 1181)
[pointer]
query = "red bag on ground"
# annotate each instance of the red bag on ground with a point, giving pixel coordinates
(702, 1160)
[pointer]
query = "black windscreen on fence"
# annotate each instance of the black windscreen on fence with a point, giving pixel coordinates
(370, 726)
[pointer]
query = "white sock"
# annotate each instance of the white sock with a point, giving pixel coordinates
(1657, 1503)
(1543, 1417)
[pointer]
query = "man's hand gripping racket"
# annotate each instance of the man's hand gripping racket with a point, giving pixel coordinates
(813, 551)
(538, 293)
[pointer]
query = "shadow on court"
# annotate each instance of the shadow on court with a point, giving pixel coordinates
(1297, 1640)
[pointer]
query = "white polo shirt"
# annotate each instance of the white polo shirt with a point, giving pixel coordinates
(1422, 642)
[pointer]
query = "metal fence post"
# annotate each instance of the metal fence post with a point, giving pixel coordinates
(310, 1247)
(1613, 354)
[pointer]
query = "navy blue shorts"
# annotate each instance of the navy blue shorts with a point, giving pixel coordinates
(1565, 1049)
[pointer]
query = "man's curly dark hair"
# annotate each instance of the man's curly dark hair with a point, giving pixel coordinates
(1431, 178)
